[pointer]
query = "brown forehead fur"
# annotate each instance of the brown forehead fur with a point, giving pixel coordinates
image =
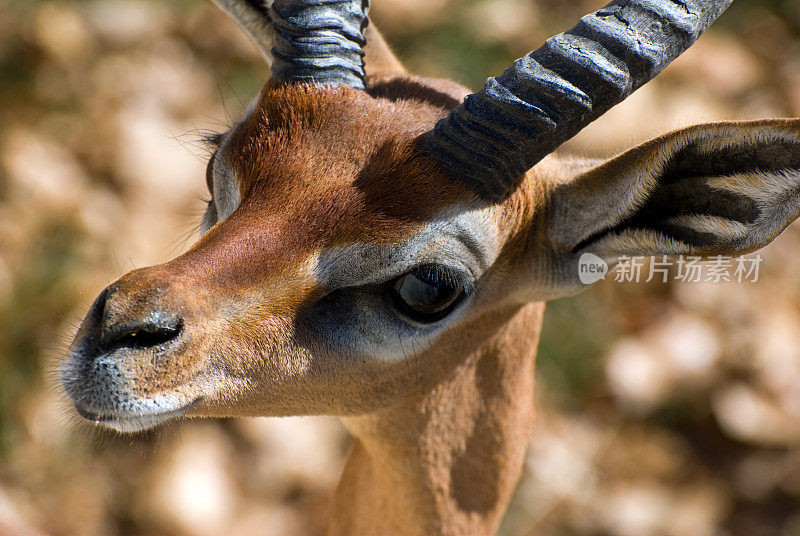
(320, 167)
(349, 150)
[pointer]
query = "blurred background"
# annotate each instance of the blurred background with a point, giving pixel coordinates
(663, 409)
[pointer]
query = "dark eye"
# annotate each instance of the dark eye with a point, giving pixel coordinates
(428, 293)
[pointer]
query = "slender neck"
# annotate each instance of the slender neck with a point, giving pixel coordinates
(447, 460)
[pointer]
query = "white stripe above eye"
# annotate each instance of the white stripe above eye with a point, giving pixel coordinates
(465, 239)
(358, 319)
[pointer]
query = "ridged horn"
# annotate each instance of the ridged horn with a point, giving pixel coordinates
(546, 97)
(319, 41)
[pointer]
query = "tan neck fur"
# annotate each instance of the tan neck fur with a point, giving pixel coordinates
(446, 461)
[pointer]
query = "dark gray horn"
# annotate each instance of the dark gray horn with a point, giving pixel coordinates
(549, 95)
(319, 41)
(315, 41)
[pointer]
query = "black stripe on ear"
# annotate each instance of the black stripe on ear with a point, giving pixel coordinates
(691, 196)
(682, 188)
(701, 159)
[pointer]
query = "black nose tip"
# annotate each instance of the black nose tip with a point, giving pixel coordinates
(126, 323)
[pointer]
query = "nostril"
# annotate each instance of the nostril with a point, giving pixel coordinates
(156, 330)
(147, 337)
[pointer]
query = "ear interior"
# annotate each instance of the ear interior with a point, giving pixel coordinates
(714, 192)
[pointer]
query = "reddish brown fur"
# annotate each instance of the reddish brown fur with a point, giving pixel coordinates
(324, 160)
(440, 435)
(322, 167)
(314, 165)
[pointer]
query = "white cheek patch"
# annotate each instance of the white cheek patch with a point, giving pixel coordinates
(363, 321)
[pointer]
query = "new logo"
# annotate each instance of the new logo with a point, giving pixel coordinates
(591, 268)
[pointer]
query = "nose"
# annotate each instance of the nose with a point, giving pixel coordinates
(133, 320)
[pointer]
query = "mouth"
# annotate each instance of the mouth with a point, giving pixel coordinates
(135, 422)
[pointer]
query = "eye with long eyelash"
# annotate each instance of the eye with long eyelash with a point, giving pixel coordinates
(430, 292)
(444, 275)
(212, 139)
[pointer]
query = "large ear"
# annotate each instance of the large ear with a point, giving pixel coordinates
(717, 189)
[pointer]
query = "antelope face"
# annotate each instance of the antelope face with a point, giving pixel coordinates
(363, 240)
(334, 255)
